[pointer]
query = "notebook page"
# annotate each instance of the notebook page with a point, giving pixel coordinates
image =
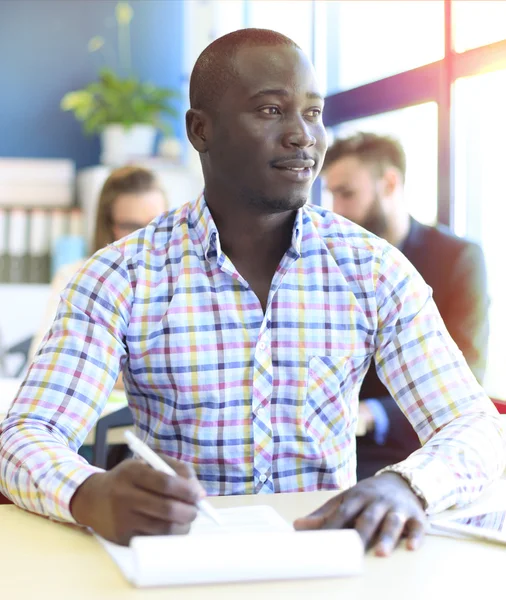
(233, 520)
(241, 520)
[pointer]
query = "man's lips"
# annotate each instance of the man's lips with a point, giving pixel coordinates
(297, 170)
(296, 164)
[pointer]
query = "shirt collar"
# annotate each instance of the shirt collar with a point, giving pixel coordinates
(202, 223)
(297, 231)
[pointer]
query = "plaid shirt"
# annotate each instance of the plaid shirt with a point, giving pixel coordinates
(258, 403)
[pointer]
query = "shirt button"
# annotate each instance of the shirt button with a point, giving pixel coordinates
(262, 478)
(260, 410)
(262, 346)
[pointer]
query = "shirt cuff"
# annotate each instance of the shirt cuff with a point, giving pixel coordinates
(60, 508)
(53, 501)
(381, 421)
(431, 481)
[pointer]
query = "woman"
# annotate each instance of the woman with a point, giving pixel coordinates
(131, 197)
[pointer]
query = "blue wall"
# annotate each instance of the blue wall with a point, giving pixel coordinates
(43, 55)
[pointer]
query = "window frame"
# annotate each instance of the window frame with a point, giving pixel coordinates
(432, 82)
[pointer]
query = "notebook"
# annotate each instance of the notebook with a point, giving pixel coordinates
(252, 544)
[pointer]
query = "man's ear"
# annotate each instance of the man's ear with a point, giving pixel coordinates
(198, 129)
(391, 181)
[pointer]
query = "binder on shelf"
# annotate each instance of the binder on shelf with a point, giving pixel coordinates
(17, 245)
(69, 249)
(67, 242)
(38, 246)
(57, 229)
(76, 222)
(4, 273)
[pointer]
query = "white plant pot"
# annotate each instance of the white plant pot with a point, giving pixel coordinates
(121, 145)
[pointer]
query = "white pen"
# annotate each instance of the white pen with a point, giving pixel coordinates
(138, 447)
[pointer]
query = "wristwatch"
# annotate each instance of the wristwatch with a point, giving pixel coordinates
(409, 479)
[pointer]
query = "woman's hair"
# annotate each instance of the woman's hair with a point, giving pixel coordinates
(125, 180)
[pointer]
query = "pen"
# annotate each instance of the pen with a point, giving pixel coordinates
(138, 447)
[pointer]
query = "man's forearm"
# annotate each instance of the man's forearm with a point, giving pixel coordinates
(40, 475)
(460, 461)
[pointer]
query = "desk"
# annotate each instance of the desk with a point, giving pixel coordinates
(45, 560)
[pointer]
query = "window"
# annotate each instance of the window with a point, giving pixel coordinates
(478, 22)
(416, 128)
(298, 20)
(479, 197)
(369, 40)
(205, 20)
(294, 19)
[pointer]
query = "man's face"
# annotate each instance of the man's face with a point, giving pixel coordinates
(267, 140)
(356, 193)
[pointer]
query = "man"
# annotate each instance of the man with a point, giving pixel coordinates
(365, 174)
(243, 324)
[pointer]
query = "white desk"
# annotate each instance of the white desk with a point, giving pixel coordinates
(45, 560)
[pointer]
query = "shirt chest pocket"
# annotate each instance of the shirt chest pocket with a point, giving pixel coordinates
(332, 395)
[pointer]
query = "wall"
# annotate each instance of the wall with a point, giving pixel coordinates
(43, 54)
(22, 310)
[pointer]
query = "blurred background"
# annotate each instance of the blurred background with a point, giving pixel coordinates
(431, 73)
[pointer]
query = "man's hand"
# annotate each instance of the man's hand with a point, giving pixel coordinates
(382, 509)
(366, 422)
(134, 499)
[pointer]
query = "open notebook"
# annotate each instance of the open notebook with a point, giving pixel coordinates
(253, 543)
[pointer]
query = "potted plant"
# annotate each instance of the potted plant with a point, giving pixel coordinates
(125, 111)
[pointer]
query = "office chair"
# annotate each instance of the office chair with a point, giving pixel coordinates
(100, 450)
(22, 348)
(4, 500)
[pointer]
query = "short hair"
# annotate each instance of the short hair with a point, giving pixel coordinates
(214, 70)
(124, 180)
(379, 151)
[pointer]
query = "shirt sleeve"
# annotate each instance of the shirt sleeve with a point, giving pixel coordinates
(66, 389)
(464, 444)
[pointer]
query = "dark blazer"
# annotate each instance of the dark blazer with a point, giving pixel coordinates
(455, 270)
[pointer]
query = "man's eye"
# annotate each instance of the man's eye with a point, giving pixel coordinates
(270, 110)
(314, 112)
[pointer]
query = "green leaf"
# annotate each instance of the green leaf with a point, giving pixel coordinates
(124, 100)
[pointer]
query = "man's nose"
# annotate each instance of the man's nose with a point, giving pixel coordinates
(298, 134)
